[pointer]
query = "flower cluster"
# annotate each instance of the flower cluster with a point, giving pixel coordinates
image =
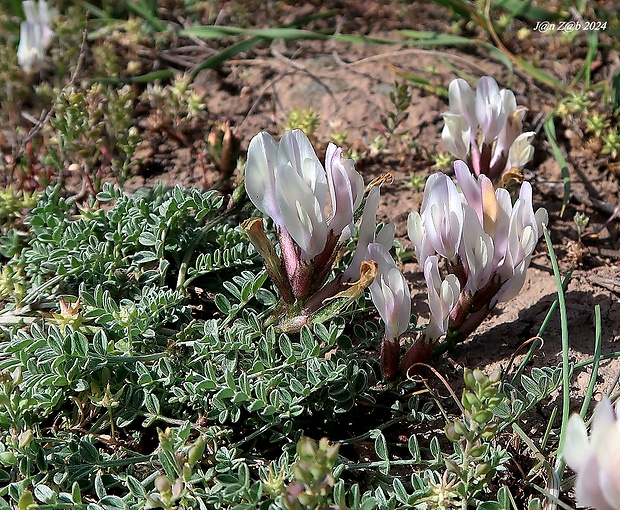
(35, 35)
(596, 460)
(486, 242)
(473, 234)
(486, 127)
(313, 207)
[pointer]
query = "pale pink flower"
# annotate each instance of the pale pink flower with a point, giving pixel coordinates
(35, 35)
(494, 115)
(488, 243)
(443, 295)
(595, 459)
(390, 292)
(288, 183)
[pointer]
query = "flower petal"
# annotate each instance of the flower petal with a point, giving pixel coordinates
(366, 234)
(588, 490)
(489, 108)
(346, 188)
(260, 175)
(576, 444)
(456, 134)
(463, 102)
(297, 151)
(390, 292)
(521, 150)
(302, 215)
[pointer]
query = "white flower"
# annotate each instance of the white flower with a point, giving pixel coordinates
(521, 151)
(495, 114)
(489, 108)
(492, 207)
(596, 459)
(513, 126)
(442, 298)
(476, 251)
(456, 134)
(346, 188)
(417, 234)
(35, 35)
(463, 102)
(525, 228)
(260, 175)
(390, 293)
(487, 240)
(288, 183)
(442, 215)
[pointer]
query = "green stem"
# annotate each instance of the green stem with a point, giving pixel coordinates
(597, 357)
(559, 467)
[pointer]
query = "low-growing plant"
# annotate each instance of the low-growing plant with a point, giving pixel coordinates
(307, 120)
(116, 395)
(93, 115)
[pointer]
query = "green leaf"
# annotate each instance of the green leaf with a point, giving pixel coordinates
(286, 348)
(44, 494)
(223, 304)
(380, 444)
(100, 489)
(400, 491)
(435, 448)
(151, 402)
(414, 448)
(113, 503)
(76, 495)
(88, 452)
(147, 239)
(144, 257)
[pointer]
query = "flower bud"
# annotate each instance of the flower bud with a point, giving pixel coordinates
(482, 469)
(196, 451)
(479, 451)
(25, 438)
(451, 433)
(306, 448)
(483, 417)
(8, 458)
(451, 466)
(469, 379)
(162, 483)
(460, 428)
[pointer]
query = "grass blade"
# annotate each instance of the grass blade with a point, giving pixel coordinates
(566, 369)
(517, 8)
(525, 9)
(145, 12)
(559, 157)
(425, 38)
(598, 340)
(421, 82)
(219, 31)
(614, 93)
(227, 53)
(143, 78)
(96, 11)
(586, 69)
